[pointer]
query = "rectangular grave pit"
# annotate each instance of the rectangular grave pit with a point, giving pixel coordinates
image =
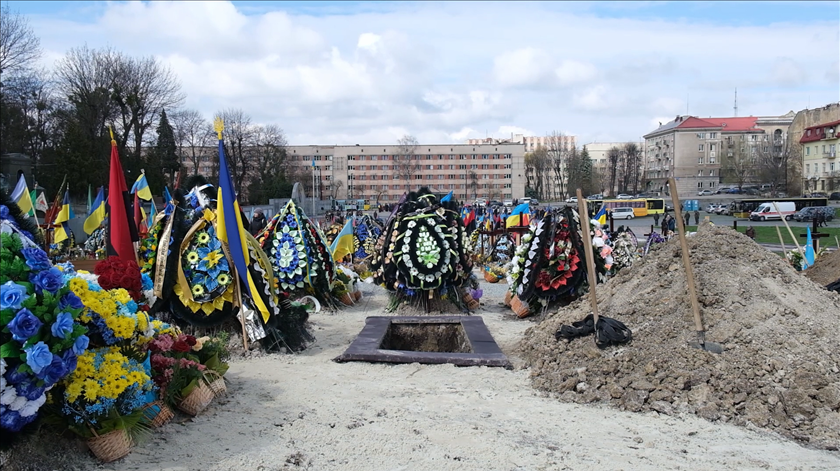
(458, 340)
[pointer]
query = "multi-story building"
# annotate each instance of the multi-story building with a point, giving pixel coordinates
(382, 173)
(531, 143)
(598, 152)
(820, 171)
(697, 152)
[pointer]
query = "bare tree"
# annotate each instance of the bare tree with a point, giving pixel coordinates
(779, 165)
(19, 47)
(632, 157)
(192, 136)
(474, 183)
(406, 163)
(557, 154)
(539, 165)
(614, 156)
(238, 134)
(739, 164)
(335, 188)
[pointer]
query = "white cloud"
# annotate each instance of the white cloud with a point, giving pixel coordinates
(451, 71)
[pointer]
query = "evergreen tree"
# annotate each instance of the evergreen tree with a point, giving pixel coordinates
(587, 183)
(163, 159)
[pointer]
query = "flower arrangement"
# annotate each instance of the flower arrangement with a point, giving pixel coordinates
(111, 316)
(40, 336)
(105, 392)
(365, 235)
(95, 244)
(654, 240)
(797, 259)
(147, 252)
(175, 367)
(625, 248)
(116, 273)
(207, 283)
(213, 353)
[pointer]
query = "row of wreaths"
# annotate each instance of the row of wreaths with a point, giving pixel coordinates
(548, 264)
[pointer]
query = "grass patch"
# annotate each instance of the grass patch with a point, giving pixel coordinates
(768, 235)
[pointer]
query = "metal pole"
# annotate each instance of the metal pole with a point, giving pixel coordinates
(313, 188)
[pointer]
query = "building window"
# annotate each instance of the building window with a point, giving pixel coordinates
(701, 135)
(808, 150)
(699, 184)
(807, 169)
(712, 135)
(712, 160)
(699, 160)
(711, 147)
(700, 147)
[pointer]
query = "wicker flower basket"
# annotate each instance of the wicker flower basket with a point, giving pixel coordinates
(472, 304)
(508, 298)
(521, 309)
(490, 278)
(197, 400)
(111, 446)
(357, 295)
(158, 413)
(346, 299)
(218, 386)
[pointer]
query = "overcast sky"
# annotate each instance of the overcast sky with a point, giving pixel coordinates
(368, 73)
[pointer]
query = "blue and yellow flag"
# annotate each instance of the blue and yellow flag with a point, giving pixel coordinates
(62, 233)
(343, 243)
(447, 197)
(169, 205)
(520, 216)
(809, 250)
(230, 228)
(601, 216)
(141, 187)
(97, 212)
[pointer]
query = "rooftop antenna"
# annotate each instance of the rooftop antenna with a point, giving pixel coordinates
(736, 102)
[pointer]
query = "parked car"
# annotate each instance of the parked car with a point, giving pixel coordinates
(774, 210)
(508, 202)
(834, 196)
(572, 199)
(704, 193)
(810, 212)
(622, 213)
(623, 196)
(534, 202)
(817, 194)
(711, 208)
(734, 191)
(595, 197)
(480, 201)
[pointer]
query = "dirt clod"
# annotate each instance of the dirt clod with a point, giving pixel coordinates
(780, 331)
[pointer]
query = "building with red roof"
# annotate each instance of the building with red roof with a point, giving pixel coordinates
(820, 169)
(700, 152)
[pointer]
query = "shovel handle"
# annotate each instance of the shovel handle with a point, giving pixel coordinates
(689, 273)
(590, 262)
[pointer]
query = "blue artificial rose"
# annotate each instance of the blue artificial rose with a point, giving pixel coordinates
(50, 280)
(63, 325)
(38, 357)
(70, 301)
(81, 344)
(53, 372)
(70, 360)
(10, 419)
(24, 325)
(4, 212)
(36, 259)
(13, 295)
(13, 376)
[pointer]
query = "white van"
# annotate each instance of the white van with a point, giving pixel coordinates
(767, 211)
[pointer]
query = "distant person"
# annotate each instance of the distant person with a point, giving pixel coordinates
(750, 232)
(687, 218)
(257, 222)
(655, 219)
(672, 224)
(665, 220)
(696, 217)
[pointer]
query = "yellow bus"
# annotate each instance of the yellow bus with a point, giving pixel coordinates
(640, 206)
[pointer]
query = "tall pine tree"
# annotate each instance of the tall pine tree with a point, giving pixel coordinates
(163, 162)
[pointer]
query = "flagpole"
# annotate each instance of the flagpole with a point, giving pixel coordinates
(241, 309)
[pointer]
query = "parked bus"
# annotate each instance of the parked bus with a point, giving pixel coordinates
(743, 208)
(641, 207)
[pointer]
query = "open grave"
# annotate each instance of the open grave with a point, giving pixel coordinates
(459, 340)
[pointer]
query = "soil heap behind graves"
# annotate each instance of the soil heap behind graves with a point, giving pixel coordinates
(826, 269)
(781, 331)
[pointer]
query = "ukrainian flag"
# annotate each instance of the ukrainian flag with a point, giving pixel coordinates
(97, 212)
(601, 217)
(447, 197)
(520, 216)
(230, 229)
(141, 187)
(343, 243)
(62, 233)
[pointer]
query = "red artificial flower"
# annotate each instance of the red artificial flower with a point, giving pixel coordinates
(180, 346)
(190, 340)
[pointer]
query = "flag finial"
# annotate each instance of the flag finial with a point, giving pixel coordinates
(111, 132)
(219, 126)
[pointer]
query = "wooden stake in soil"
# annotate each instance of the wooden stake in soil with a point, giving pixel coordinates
(583, 212)
(689, 275)
(781, 241)
(776, 207)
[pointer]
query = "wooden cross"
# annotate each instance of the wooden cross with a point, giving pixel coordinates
(816, 235)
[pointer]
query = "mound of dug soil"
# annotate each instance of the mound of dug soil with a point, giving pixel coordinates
(826, 269)
(781, 366)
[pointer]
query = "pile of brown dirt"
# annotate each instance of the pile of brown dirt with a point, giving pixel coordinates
(826, 269)
(781, 367)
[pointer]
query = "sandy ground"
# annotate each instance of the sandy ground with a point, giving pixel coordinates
(304, 411)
